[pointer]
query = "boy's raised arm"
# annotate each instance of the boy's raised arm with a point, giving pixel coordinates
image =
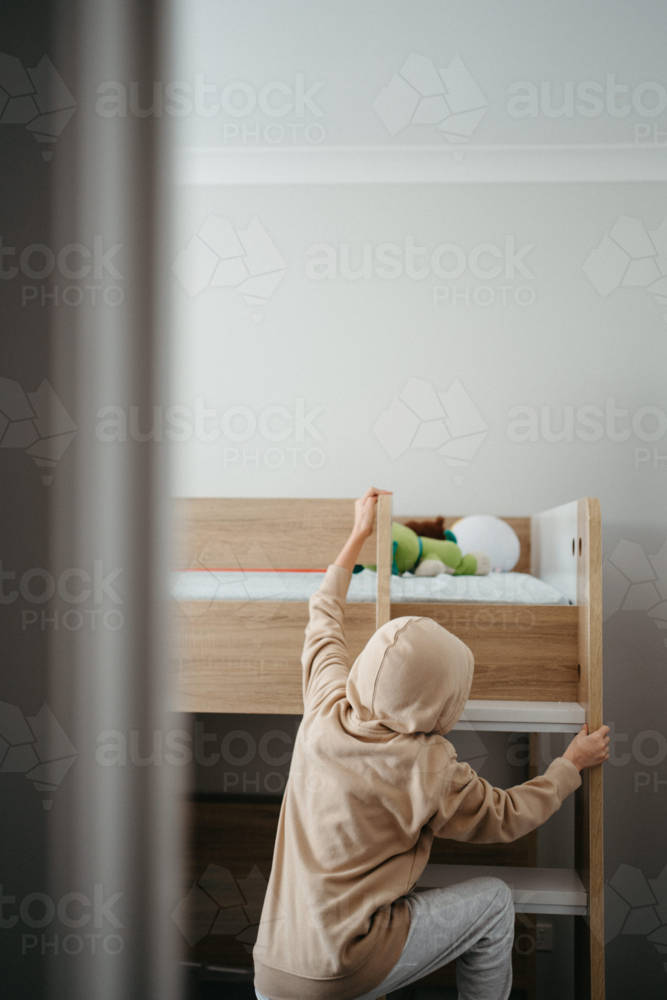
(325, 658)
(364, 516)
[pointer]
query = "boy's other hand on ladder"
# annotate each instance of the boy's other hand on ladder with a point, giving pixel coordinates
(588, 751)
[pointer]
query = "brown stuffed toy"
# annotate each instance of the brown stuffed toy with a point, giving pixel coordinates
(433, 527)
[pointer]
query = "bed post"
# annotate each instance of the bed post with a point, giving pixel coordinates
(384, 560)
(589, 940)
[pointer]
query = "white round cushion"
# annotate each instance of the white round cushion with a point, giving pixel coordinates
(489, 534)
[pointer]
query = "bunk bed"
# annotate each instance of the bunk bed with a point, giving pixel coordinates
(538, 666)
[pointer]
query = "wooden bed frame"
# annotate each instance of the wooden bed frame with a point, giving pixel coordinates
(538, 668)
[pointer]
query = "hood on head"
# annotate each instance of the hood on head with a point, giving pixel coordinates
(413, 676)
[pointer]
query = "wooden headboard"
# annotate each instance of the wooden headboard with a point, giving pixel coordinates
(285, 533)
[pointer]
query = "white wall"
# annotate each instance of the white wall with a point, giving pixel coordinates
(347, 348)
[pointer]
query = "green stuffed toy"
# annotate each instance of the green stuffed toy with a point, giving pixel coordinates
(432, 556)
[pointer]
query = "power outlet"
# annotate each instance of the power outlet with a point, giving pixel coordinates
(544, 936)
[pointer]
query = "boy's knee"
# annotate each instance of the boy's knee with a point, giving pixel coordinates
(502, 897)
(496, 897)
(505, 897)
(498, 890)
(505, 894)
(506, 904)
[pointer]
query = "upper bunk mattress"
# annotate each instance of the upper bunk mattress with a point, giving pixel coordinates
(286, 585)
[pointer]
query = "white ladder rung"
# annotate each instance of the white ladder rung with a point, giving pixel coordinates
(534, 890)
(522, 716)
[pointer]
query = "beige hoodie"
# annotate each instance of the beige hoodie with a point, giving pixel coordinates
(372, 781)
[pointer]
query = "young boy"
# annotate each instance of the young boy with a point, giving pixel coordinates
(372, 781)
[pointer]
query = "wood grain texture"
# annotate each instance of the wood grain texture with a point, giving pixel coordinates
(247, 533)
(520, 524)
(246, 657)
(519, 853)
(239, 837)
(522, 652)
(589, 845)
(384, 560)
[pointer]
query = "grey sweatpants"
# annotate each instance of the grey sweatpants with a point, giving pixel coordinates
(472, 921)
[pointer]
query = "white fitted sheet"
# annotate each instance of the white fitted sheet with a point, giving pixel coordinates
(283, 585)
